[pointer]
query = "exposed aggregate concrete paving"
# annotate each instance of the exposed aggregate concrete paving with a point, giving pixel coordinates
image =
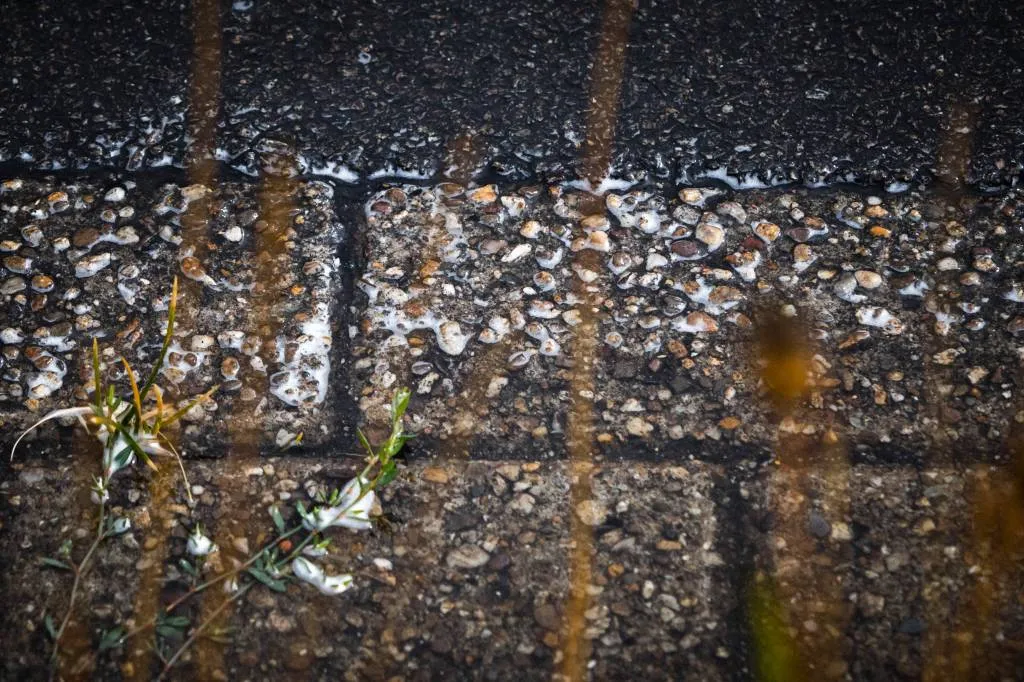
(83, 260)
(862, 501)
(857, 502)
(902, 311)
(469, 580)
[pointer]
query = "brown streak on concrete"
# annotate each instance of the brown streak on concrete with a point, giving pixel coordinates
(277, 200)
(605, 88)
(77, 659)
(151, 581)
(807, 470)
(204, 106)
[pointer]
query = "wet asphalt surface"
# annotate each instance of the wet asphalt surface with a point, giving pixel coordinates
(872, 92)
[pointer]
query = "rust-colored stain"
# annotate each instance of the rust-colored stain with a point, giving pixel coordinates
(809, 469)
(472, 403)
(958, 643)
(277, 206)
(204, 106)
(605, 88)
(162, 486)
(955, 147)
(963, 647)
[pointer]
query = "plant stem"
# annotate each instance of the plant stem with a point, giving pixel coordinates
(235, 597)
(200, 628)
(80, 570)
(235, 571)
(211, 582)
(362, 474)
(295, 552)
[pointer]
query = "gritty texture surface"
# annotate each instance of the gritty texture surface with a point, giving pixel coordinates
(866, 502)
(84, 260)
(898, 316)
(469, 575)
(871, 92)
(803, 399)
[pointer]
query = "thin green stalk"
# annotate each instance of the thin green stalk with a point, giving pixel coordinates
(200, 628)
(171, 312)
(210, 583)
(80, 569)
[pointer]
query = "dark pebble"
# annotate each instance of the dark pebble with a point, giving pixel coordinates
(818, 526)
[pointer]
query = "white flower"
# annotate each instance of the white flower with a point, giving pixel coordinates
(120, 525)
(99, 494)
(314, 551)
(351, 511)
(307, 571)
(199, 544)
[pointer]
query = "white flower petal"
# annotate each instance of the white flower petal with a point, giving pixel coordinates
(199, 545)
(331, 585)
(307, 571)
(352, 511)
(314, 551)
(336, 584)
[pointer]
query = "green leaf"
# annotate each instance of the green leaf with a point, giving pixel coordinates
(176, 622)
(54, 563)
(121, 458)
(364, 441)
(395, 445)
(387, 473)
(135, 447)
(275, 514)
(272, 583)
(188, 567)
(167, 632)
(111, 638)
(51, 628)
(399, 403)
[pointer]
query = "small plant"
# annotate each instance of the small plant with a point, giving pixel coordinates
(132, 429)
(127, 431)
(291, 554)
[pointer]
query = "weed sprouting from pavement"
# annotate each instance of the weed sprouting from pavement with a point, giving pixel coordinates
(290, 555)
(132, 429)
(127, 431)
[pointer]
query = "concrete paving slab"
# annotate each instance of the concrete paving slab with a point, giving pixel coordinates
(260, 287)
(471, 574)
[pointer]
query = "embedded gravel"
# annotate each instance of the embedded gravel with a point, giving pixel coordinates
(832, 91)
